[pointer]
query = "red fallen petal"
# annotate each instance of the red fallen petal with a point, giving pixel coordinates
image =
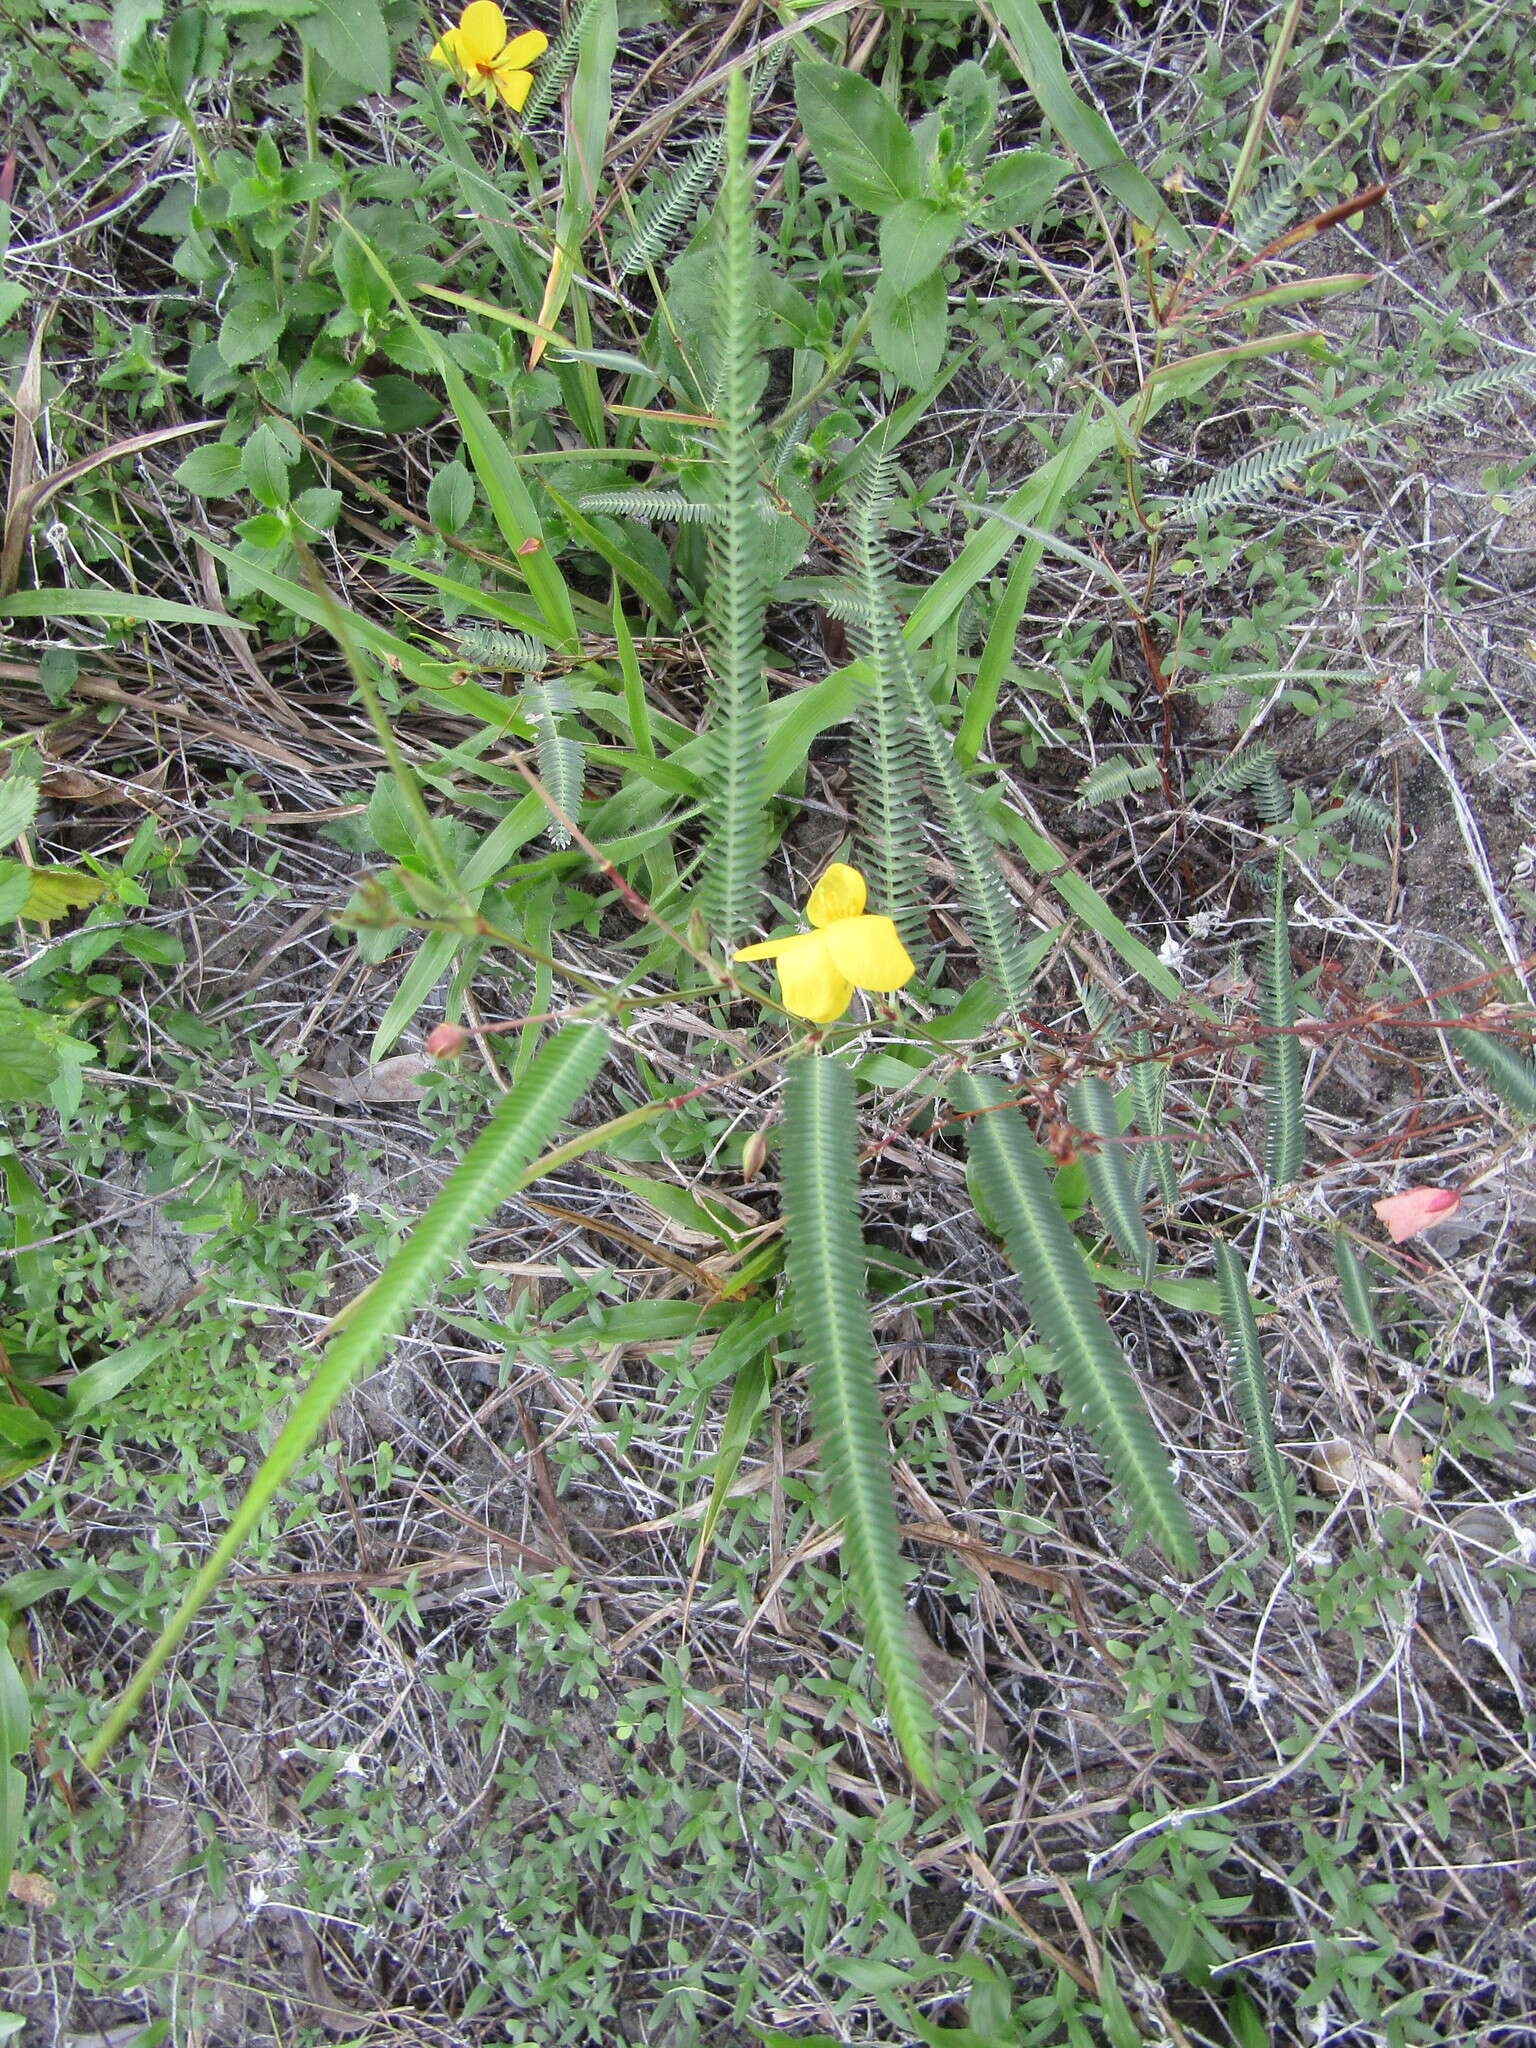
(1415, 1209)
(446, 1041)
(530, 546)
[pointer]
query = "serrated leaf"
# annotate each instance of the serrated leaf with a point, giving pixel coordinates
(18, 806)
(250, 327)
(865, 149)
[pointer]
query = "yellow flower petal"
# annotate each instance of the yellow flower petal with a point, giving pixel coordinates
(447, 51)
(482, 33)
(810, 985)
(868, 950)
(514, 86)
(523, 50)
(769, 949)
(840, 893)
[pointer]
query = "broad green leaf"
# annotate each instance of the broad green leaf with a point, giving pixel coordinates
(451, 498)
(264, 464)
(1017, 186)
(908, 330)
(212, 472)
(352, 38)
(251, 325)
(915, 237)
(865, 149)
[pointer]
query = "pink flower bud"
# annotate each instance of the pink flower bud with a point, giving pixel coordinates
(1416, 1209)
(446, 1041)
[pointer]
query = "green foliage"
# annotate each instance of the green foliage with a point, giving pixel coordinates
(1051, 1276)
(1510, 1074)
(735, 785)
(1091, 1106)
(890, 818)
(1250, 1384)
(1285, 1130)
(825, 1263)
(502, 1159)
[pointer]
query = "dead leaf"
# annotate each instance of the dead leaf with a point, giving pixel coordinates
(28, 1889)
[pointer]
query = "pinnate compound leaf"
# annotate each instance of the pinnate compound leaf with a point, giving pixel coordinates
(1016, 1193)
(825, 1260)
(865, 149)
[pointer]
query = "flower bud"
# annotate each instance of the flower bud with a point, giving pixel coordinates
(446, 1041)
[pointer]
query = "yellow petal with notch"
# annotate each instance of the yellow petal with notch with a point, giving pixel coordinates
(840, 893)
(868, 950)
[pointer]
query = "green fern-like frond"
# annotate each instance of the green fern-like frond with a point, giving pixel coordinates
(1250, 1385)
(984, 894)
(1266, 211)
(557, 64)
(1285, 1131)
(1355, 1287)
(1149, 1085)
(1369, 812)
(825, 1261)
(490, 647)
(670, 202)
(1017, 1194)
(1111, 1182)
(886, 753)
(1511, 1076)
(1259, 473)
(834, 598)
(653, 507)
(735, 784)
(1112, 780)
(1253, 767)
(562, 759)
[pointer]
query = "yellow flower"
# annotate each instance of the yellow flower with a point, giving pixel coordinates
(820, 969)
(482, 58)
